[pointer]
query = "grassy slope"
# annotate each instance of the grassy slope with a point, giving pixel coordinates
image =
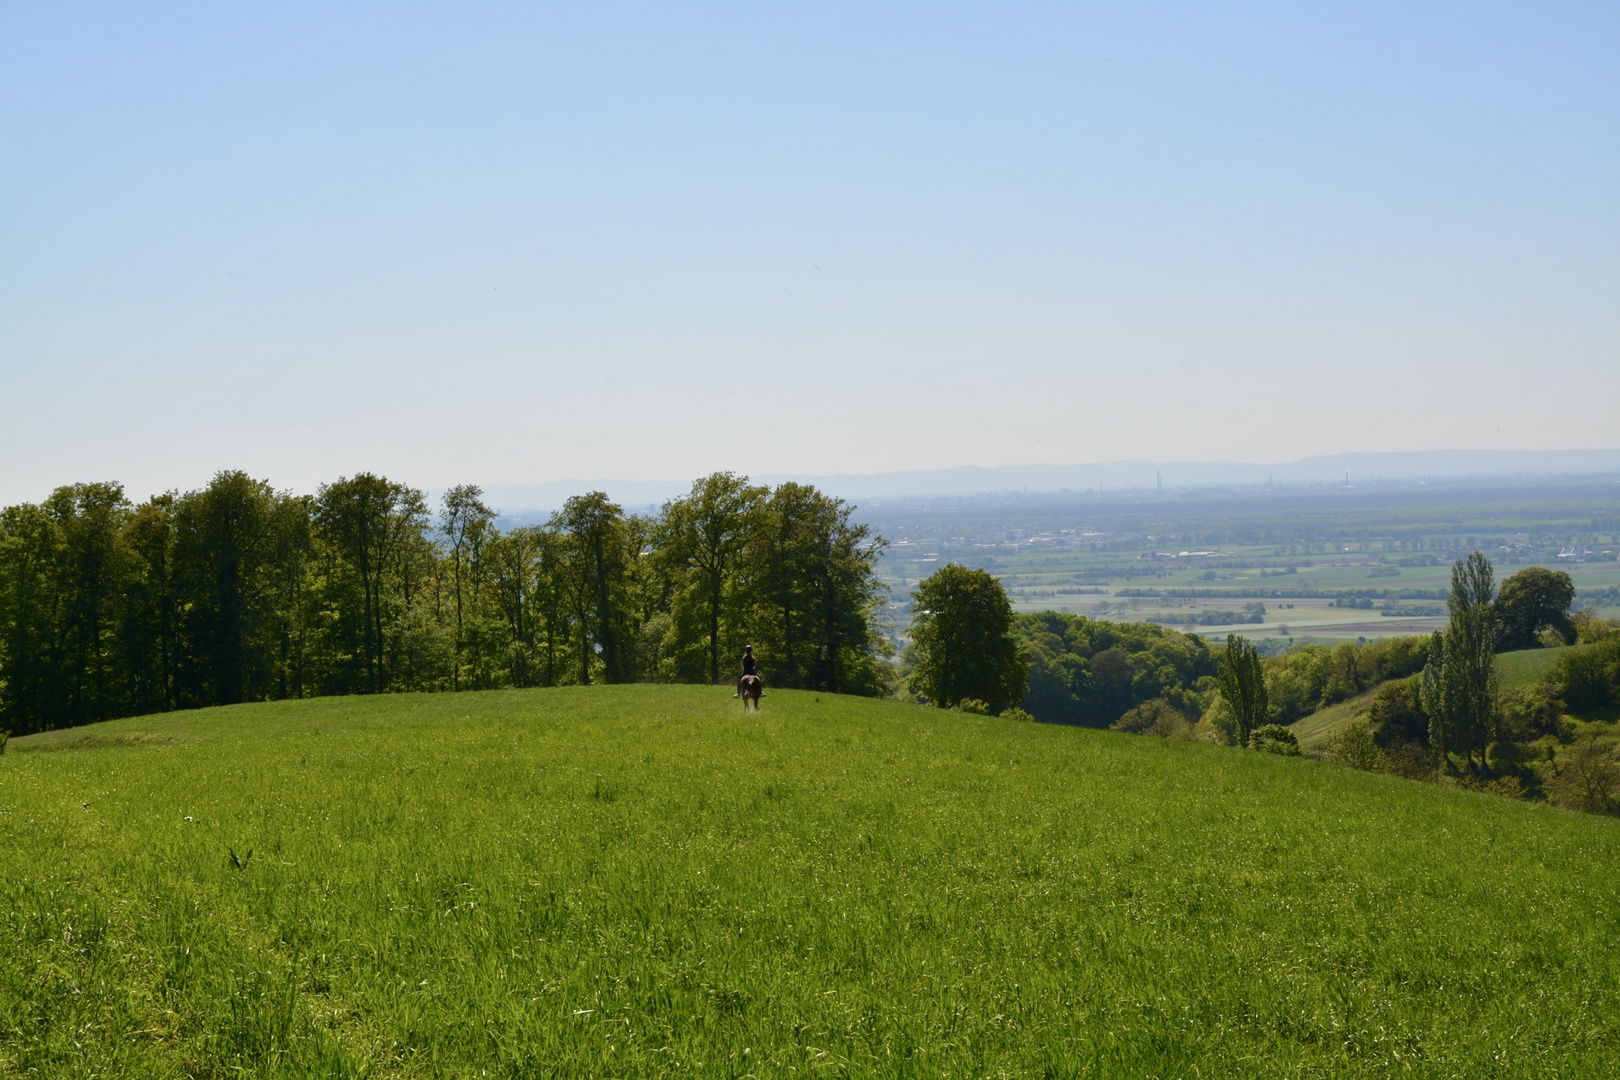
(1515, 670)
(1318, 729)
(641, 881)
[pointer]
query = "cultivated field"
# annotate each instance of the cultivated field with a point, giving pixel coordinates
(1325, 567)
(641, 881)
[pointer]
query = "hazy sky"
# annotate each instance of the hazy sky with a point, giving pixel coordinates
(529, 242)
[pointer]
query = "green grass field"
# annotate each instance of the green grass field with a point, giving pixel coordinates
(1318, 730)
(1517, 670)
(642, 881)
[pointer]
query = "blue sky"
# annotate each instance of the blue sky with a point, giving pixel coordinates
(523, 243)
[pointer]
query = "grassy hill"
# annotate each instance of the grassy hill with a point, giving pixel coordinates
(1514, 670)
(1318, 730)
(642, 881)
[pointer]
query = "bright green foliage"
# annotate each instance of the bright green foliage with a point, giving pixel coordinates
(1357, 747)
(637, 881)
(227, 543)
(1312, 677)
(63, 573)
(1274, 739)
(786, 571)
(810, 580)
(1533, 600)
(1242, 683)
(961, 641)
(1588, 676)
(237, 593)
(704, 537)
(467, 525)
(1093, 671)
(595, 579)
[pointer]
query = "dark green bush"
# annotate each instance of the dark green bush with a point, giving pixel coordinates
(1396, 716)
(1274, 739)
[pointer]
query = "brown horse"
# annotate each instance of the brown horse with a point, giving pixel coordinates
(751, 688)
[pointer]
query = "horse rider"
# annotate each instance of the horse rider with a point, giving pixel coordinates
(750, 667)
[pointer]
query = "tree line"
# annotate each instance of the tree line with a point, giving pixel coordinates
(968, 646)
(239, 592)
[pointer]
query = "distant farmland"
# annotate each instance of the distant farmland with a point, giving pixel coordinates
(1327, 574)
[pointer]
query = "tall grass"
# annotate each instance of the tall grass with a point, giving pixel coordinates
(641, 881)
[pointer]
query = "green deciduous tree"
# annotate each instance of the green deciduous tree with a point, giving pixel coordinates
(236, 592)
(466, 523)
(811, 585)
(594, 572)
(225, 551)
(1242, 681)
(704, 535)
(1533, 600)
(962, 644)
(65, 584)
(369, 522)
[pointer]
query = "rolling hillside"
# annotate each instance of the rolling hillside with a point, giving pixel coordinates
(642, 881)
(1514, 670)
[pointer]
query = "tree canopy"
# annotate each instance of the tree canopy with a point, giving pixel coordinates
(238, 592)
(962, 646)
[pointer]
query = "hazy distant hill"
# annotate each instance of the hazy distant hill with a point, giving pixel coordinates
(1329, 469)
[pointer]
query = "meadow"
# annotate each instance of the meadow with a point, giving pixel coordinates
(642, 881)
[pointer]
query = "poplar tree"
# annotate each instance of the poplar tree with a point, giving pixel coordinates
(1458, 687)
(1241, 679)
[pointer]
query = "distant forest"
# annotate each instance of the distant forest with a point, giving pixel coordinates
(238, 592)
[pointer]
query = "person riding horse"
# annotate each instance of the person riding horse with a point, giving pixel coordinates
(750, 667)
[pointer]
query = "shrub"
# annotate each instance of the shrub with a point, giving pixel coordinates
(1508, 787)
(1274, 739)
(1357, 748)
(1155, 717)
(1395, 715)
(1412, 760)
(1588, 677)
(5, 737)
(1528, 714)
(1591, 627)
(974, 706)
(1219, 722)
(1015, 713)
(1588, 776)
